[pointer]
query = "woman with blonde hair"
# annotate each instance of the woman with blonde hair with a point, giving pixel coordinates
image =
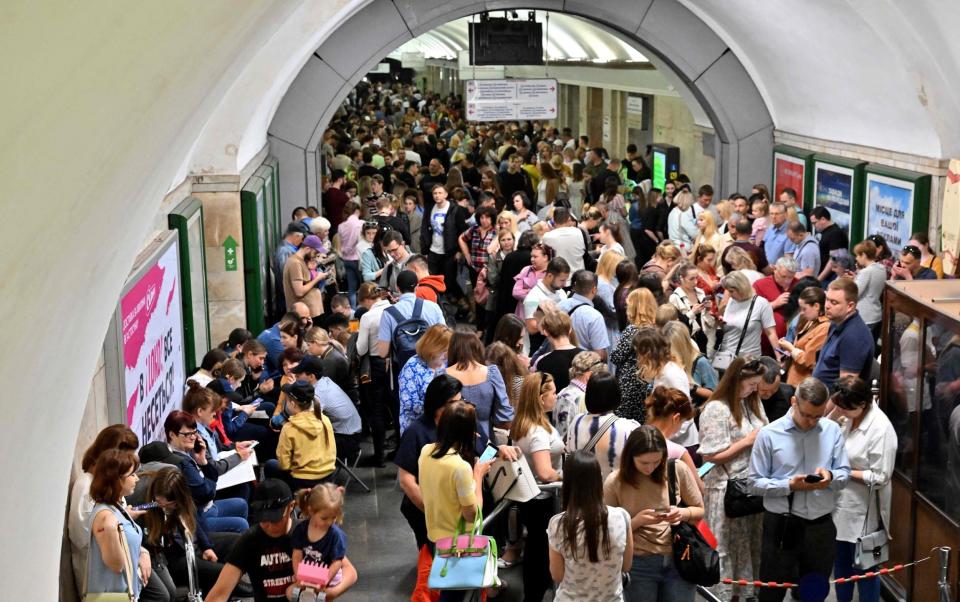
(665, 258)
(744, 313)
(741, 261)
(606, 287)
(709, 235)
(429, 361)
(507, 220)
(703, 378)
(543, 449)
(681, 223)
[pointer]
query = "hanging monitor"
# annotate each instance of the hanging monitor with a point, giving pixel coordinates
(501, 41)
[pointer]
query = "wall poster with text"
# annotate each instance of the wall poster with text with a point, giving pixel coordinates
(833, 188)
(789, 172)
(889, 210)
(151, 331)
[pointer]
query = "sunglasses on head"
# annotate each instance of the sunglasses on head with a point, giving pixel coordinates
(912, 250)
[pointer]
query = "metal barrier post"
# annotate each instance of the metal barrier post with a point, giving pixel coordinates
(944, 583)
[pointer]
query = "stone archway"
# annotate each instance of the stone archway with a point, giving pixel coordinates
(690, 50)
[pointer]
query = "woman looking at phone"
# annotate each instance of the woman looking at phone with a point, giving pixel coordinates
(641, 487)
(184, 440)
(729, 423)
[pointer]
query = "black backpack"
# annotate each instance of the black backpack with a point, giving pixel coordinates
(403, 342)
(449, 309)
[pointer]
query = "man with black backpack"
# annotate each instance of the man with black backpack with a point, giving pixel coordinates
(401, 326)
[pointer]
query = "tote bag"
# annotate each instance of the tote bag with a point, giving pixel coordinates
(466, 561)
(512, 480)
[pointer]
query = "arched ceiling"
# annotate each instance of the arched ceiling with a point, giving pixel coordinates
(566, 38)
(111, 103)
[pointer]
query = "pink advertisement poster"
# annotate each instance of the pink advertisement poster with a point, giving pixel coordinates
(788, 173)
(152, 328)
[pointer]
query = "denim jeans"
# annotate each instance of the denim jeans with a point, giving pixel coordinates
(843, 567)
(226, 516)
(352, 269)
(654, 579)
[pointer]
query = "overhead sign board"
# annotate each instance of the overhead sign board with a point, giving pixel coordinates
(413, 60)
(505, 99)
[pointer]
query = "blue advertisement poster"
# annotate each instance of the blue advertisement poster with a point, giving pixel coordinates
(889, 210)
(834, 190)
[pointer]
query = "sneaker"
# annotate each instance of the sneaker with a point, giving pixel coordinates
(503, 563)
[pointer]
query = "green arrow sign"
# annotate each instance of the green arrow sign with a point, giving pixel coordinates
(230, 254)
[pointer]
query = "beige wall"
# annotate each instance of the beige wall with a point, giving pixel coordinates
(673, 124)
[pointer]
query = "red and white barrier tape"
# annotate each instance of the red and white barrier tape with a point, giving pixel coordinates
(853, 579)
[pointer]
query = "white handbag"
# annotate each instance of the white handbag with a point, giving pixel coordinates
(512, 480)
(872, 549)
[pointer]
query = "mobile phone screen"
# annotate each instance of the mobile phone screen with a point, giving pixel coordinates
(488, 454)
(813, 478)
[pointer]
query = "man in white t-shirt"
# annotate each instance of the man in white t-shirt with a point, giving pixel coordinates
(550, 288)
(566, 239)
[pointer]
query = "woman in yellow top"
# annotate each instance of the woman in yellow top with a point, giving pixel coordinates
(811, 335)
(451, 477)
(307, 451)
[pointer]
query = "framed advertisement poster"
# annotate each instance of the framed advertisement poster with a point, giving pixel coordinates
(838, 186)
(897, 204)
(144, 349)
(792, 168)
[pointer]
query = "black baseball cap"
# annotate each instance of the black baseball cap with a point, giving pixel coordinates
(310, 364)
(269, 500)
(300, 390)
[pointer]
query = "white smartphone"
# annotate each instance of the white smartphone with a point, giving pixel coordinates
(488, 454)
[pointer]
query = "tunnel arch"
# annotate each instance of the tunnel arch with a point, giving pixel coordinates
(707, 72)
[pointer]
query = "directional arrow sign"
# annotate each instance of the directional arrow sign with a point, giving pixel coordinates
(230, 254)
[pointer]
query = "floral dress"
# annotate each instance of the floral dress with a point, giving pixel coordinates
(738, 539)
(633, 389)
(412, 383)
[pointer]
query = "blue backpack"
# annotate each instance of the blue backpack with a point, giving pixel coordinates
(403, 342)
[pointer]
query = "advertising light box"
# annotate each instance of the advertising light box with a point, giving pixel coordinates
(144, 348)
(837, 185)
(897, 204)
(792, 168)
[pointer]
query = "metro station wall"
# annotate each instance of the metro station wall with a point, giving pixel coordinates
(673, 123)
(929, 165)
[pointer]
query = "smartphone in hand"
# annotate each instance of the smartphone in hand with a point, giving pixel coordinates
(812, 478)
(488, 454)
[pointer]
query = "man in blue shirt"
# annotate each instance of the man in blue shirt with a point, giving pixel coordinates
(848, 349)
(587, 322)
(293, 237)
(431, 313)
(806, 250)
(270, 338)
(798, 464)
(776, 243)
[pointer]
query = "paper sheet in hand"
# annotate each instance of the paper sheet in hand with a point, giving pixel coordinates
(241, 473)
(259, 414)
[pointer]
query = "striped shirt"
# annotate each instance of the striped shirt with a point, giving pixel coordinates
(610, 446)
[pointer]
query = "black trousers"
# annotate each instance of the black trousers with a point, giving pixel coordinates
(535, 515)
(445, 264)
(794, 547)
(207, 572)
(378, 406)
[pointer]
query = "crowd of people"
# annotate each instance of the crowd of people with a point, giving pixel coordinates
(512, 286)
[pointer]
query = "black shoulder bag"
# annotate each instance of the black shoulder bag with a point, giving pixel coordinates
(693, 557)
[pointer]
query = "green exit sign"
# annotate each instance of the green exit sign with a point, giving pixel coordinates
(230, 254)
